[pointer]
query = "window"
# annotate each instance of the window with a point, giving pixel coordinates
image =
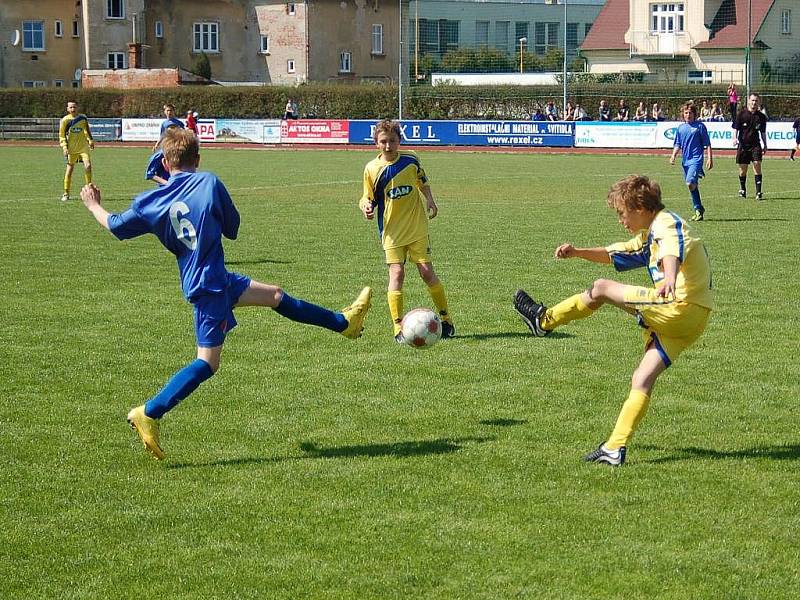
(206, 37)
(377, 39)
(545, 36)
(345, 62)
(786, 21)
(116, 60)
(58, 83)
(666, 18)
(264, 49)
(501, 29)
(481, 34)
(290, 8)
(520, 31)
(33, 35)
(290, 66)
(437, 36)
(115, 9)
(572, 38)
(76, 28)
(700, 77)
(59, 29)
(159, 29)
(76, 83)
(33, 84)
(587, 27)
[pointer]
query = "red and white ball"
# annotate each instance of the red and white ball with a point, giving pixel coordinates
(421, 328)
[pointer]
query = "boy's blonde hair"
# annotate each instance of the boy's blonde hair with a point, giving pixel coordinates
(180, 148)
(691, 106)
(635, 192)
(387, 126)
(168, 105)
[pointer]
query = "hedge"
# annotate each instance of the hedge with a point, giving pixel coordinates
(374, 101)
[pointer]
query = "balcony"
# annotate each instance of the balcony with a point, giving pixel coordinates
(660, 45)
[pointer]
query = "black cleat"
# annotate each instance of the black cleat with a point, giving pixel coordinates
(531, 313)
(759, 195)
(399, 338)
(602, 455)
(742, 194)
(448, 330)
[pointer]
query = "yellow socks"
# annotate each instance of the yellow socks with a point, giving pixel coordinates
(67, 183)
(439, 299)
(565, 311)
(632, 412)
(395, 299)
(87, 176)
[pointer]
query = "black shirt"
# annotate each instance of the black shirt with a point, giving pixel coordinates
(749, 127)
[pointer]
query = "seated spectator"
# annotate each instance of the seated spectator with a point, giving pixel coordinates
(705, 111)
(550, 111)
(604, 112)
(641, 113)
(657, 114)
(538, 115)
(580, 113)
(716, 112)
(622, 111)
(569, 113)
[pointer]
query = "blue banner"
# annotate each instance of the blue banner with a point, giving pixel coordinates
(106, 130)
(474, 133)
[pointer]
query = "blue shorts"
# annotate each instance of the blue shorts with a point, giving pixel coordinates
(213, 313)
(693, 172)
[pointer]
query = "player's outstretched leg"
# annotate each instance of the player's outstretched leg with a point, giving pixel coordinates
(148, 431)
(531, 312)
(356, 313)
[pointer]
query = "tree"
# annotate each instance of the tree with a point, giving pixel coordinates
(202, 66)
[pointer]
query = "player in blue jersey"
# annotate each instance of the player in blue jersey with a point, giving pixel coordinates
(692, 140)
(190, 215)
(156, 171)
(673, 313)
(170, 120)
(396, 191)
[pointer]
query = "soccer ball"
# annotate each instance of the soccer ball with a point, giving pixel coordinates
(421, 328)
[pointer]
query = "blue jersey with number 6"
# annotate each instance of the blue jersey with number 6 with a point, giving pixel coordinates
(189, 215)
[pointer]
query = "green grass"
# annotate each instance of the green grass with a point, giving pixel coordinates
(312, 466)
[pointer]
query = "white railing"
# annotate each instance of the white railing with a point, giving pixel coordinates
(648, 43)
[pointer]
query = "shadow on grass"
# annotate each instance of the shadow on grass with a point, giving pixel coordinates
(789, 452)
(509, 334)
(313, 451)
(259, 261)
(397, 449)
(503, 422)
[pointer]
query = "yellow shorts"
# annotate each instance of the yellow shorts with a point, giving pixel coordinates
(672, 326)
(419, 252)
(79, 157)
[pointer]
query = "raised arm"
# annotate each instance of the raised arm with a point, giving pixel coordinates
(90, 194)
(595, 255)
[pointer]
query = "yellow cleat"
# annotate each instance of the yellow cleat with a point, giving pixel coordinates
(148, 431)
(356, 313)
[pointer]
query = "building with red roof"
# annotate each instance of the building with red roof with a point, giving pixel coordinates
(694, 41)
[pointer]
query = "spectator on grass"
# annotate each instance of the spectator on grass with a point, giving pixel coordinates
(580, 113)
(716, 112)
(191, 122)
(623, 114)
(550, 111)
(733, 100)
(641, 112)
(604, 112)
(705, 111)
(290, 111)
(538, 115)
(657, 114)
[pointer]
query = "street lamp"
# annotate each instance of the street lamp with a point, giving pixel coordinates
(522, 40)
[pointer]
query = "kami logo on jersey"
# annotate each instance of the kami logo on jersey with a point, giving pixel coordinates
(399, 192)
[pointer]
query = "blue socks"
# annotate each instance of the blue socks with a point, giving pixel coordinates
(696, 204)
(311, 314)
(183, 383)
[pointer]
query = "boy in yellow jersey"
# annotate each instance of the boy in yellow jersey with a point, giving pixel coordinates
(76, 141)
(396, 190)
(673, 313)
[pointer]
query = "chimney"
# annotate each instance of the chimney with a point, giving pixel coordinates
(134, 56)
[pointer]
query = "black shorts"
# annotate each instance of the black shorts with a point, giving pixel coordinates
(748, 154)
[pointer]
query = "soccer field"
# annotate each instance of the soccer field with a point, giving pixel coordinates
(312, 466)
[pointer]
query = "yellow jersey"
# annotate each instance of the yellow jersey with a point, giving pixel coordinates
(393, 188)
(669, 235)
(74, 134)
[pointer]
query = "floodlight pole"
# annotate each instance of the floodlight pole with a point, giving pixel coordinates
(400, 68)
(749, 40)
(564, 71)
(522, 41)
